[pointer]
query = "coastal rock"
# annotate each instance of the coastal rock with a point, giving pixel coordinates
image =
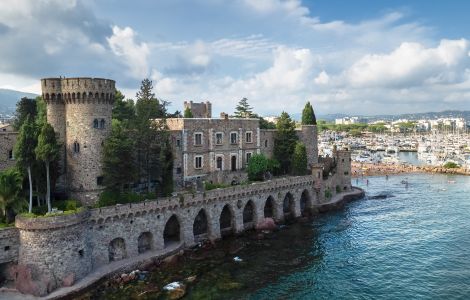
(29, 282)
(266, 224)
(171, 260)
(175, 290)
(69, 280)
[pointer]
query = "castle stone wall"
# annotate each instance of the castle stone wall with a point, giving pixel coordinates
(9, 244)
(7, 144)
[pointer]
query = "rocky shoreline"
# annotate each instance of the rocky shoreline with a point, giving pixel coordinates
(377, 169)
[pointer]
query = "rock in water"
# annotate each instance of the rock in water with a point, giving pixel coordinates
(266, 224)
(175, 290)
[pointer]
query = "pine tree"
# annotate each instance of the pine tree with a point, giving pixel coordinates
(24, 108)
(24, 152)
(284, 142)
(188, 113)
(123, 110)
(308, 115)
(299, 160)
(118, 163)
(47, 151)
(243, 109)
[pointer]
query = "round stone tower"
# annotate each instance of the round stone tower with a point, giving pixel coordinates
(83, 122)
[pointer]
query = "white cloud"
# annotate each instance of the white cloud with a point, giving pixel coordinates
(411, 64)
(322, 78)
(123, 44)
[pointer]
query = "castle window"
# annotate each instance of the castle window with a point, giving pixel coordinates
(6, 248)
(11, 155)
(90, 95)
(78, 95)
(248, 137)
(95, 123)
(178, 170)
(76, 147)
(99, 180)
(52, 96)
(84, 95)
(342, 160)
(59, 96)
(102, 123)
(248, 156)
(97, 95)
(233, 137)
(178, 143)
(47, 96)
(219, 138)
(73, 96)
(198, 139)
(102, 95)
(266, 143)
(198, 162)
(219, 163)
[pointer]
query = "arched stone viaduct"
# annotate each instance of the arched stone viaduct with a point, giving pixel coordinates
(73, 246)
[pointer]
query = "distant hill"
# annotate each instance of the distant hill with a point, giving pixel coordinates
(9, 98)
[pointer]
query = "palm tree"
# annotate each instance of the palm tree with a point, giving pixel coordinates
(11, 184)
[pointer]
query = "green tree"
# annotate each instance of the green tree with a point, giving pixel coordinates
(47, 151)
(24, 108)
(243, 109)
(11, 183)
(25, 152)
(257, 167)
(299, 160)
(41, 116)
(123, 110)
(308, 116)
(166, 157)
(284, 142)
(118, 162)
(147, 106)
(188, 113)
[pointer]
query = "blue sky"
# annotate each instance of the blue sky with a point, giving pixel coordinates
(355, 57)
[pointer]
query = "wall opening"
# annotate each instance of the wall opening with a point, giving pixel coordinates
(200, 226)
(269, 208)
(234, 163)
(305, 203)
(248, 215)
(117, 249)
(171, 234)
(226, 222)
(288, 207)
(144, 242)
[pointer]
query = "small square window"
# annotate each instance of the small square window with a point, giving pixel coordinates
(99, 180)
(178, 170)
(233, 138)
(248, 136)
(178, 143)
(11, 155)
(248, 156)
(198, 139)
(219, 138)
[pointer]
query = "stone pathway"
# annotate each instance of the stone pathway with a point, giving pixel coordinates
(111, 268)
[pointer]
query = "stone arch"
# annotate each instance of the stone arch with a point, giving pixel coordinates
(59, 96)
(78, 95)
(90, 95)
(117, 249)
(288, 206)
(52, 96)
(84, 95)
(226, 221)
(145, 242)
(269, 207)
(172, 232)
(97, 95)
(249, 214)
(200, 226)
(47, 96)
(102, 96)
(305, 203)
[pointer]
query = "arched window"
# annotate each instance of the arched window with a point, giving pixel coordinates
(95, 123)
(47, 96)
(76, 147)
(78, 95)
(97, 95)
(84, 95)
(102, 123)
(102, 96)
(52, 96)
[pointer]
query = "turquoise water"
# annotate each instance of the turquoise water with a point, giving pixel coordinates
(399, 242)
(413, 244)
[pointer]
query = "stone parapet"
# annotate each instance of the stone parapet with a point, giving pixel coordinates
(52, 222)
(9, 245)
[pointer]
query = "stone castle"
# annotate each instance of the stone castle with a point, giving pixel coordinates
(43, 254)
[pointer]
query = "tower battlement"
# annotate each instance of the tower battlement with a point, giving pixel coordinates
(80, 111)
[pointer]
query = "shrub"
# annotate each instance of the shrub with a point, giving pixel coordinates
(338, 189)
(257, 166)
(450, 165)
(299, 160)
(327, 194)
(212, 186)
(274, 166)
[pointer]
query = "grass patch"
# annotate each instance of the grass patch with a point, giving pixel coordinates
(110, 198)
